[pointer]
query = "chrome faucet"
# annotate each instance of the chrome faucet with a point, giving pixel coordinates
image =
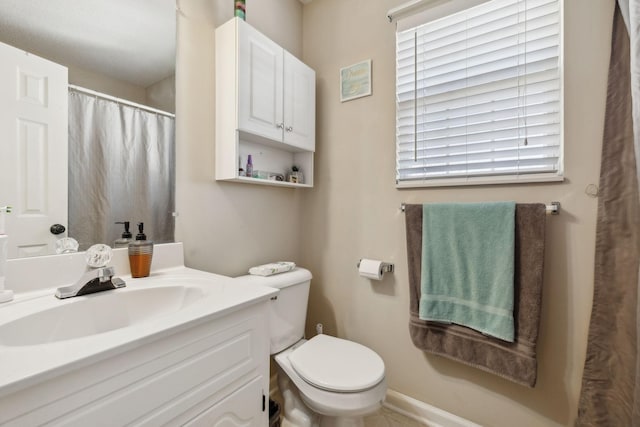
(95, 280)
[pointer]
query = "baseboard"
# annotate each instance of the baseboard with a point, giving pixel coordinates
(409, 407)
(423, 412)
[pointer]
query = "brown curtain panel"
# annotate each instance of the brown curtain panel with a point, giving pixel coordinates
(609, 383)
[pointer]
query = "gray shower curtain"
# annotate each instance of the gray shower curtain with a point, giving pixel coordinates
(121, 168)
(610, 384)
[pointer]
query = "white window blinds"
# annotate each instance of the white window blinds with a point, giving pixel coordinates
(479, 95)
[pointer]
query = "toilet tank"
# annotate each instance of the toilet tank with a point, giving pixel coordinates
(288, 311)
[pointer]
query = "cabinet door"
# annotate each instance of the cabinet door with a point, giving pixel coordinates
(242, 408)
(260, 77)
(299, 104)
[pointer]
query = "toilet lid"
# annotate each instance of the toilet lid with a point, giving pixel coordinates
(335, 364)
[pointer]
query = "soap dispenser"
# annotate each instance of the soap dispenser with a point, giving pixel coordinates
(5, 295)
(140, 254)
(125, 239)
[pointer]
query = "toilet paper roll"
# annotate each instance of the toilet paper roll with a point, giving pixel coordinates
(370, 268)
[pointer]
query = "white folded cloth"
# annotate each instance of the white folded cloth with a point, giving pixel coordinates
(272, 268)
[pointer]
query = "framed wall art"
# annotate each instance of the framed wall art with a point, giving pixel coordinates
(355, 81)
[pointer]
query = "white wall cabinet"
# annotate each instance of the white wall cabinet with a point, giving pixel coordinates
(265, 106)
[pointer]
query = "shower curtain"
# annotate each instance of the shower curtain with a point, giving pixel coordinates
(121, 168)
(610, 393)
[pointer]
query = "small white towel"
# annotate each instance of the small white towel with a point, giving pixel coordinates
(272, 268)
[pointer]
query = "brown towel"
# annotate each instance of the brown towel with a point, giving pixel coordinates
(515, 361)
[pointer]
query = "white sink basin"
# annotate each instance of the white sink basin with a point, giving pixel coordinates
(96, 313)
(42, 337)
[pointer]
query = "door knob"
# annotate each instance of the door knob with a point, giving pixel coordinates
(289, 129)
(57, 229)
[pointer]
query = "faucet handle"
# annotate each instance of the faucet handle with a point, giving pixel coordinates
(98, 255)
(66, 245)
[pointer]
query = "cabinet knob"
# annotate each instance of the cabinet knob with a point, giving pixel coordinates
(289, 129)
(280, 125)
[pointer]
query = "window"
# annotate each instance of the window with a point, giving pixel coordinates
(479, 96)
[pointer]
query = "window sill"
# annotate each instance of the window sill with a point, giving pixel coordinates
(490, 180)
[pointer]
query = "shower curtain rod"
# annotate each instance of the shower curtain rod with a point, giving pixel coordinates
(553, 208)
(120, 101)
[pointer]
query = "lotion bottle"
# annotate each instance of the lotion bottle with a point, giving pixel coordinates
(5, 295)
(249, 170)
(140, 254)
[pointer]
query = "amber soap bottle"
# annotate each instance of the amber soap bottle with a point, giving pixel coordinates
(140, 254)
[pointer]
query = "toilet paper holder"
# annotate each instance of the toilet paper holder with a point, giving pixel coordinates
(385, 267)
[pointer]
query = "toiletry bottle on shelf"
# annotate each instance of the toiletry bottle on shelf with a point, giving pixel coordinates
(240, 9)
(125, 239)
(249, 170)
(140, 254)
(5, 295)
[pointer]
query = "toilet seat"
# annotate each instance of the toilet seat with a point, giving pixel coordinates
(338, 365)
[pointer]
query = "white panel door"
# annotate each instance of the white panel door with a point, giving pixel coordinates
(33, 149)
(260, 78)
(243, 408)
(299, 104)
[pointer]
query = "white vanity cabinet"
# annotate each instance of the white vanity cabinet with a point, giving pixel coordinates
(211, 373)
(265, 106)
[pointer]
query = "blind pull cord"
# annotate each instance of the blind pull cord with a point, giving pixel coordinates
(415, 96)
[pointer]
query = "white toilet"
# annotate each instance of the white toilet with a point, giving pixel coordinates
(324, 381)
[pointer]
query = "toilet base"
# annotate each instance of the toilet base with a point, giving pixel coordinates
(297, 414)
(294, 412)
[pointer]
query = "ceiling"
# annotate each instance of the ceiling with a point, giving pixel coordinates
(129, 40)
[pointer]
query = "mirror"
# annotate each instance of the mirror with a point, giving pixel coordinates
(121, 48)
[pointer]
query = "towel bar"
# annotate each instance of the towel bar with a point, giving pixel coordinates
(553, 208)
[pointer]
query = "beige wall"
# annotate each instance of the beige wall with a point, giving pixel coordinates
(353, 212)
(105, 84)
(226, 227)
(162, 95)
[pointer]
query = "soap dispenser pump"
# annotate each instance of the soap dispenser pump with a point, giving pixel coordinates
(5, 295)
(140, 254)
(125, 239)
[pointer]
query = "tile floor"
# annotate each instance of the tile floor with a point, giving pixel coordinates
(383, 418)
(387, 418)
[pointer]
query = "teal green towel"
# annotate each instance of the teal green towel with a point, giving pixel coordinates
(467, 266)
